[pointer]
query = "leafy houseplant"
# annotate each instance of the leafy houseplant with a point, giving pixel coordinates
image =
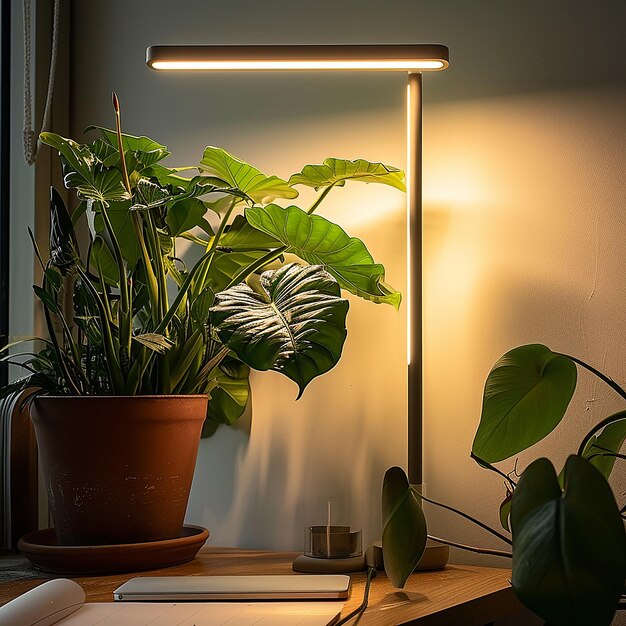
(567, 532)
(143, 324)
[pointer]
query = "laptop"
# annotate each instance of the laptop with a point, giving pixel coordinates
(228, 588)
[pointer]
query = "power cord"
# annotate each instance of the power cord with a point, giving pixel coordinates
(371, 574)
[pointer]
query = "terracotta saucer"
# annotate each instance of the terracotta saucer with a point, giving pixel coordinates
(43, 552)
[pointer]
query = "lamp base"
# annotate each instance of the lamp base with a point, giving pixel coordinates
(435, 556)
(314, 565)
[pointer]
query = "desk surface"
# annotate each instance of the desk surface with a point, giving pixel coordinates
(459, 594)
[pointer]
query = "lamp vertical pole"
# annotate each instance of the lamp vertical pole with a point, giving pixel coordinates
(414, 277)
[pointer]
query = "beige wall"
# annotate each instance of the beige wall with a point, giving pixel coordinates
(524, 227)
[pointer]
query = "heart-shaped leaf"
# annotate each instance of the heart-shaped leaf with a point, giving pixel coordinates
(610, 440)
(237, 173)
(337, 171)
(318, 241)
(569, 547)
(525, 397)
(404, 527)
(295, 324)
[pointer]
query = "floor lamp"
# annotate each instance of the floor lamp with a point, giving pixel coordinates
(413, 59)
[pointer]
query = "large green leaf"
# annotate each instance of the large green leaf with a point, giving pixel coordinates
(244, 237)
(337, 171)
(610, 440)
(84, 173)
(183, 215)
(569, 547)
(404, 527)
(146, 150)
(122, 222)
(318, 241)
(237, 173)
(102, 260)
(526, 395)
(103, 186)
(294, 324)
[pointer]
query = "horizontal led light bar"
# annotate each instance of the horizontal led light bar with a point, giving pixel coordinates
(405, 58)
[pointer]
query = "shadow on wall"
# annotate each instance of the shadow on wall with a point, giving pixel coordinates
(334, 443)
(281, 476)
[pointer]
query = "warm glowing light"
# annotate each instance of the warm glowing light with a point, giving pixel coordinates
(392, 65)
(409, 257)
(389, 57)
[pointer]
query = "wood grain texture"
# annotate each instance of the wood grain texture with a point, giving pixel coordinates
(459, 594)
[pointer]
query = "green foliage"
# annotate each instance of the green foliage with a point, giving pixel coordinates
(338, 171)
(318, 241)
(404, 527)
(568, 537)
(602, 449)
(526, 395)
(142, 322)
(238, 174)
(293, 324)
(569, 546)
(232, 389)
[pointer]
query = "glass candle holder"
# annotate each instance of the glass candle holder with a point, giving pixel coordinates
(332, 542)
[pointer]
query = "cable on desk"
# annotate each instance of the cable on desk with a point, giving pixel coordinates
(371, 574)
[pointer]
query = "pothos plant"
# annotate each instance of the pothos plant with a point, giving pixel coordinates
(144, 322)
(565, 531)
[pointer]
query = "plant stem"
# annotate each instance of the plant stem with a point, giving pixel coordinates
(210, 365)
(182, 292)
(153, 288)
(120, 144)
(105, 298)
(123, 315)
(320, 199)
(60, 356)
(212, 247)
(508, 555)
(493, 469)
(465, 515)
(609, 381)
(253, 267)
(112, 362)
(125, 336)
(155, 244)
(67, 334)
(615, 455)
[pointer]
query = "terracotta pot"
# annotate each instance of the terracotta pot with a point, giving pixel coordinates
(118, 469)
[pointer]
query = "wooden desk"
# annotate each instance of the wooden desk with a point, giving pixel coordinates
(460, 594)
